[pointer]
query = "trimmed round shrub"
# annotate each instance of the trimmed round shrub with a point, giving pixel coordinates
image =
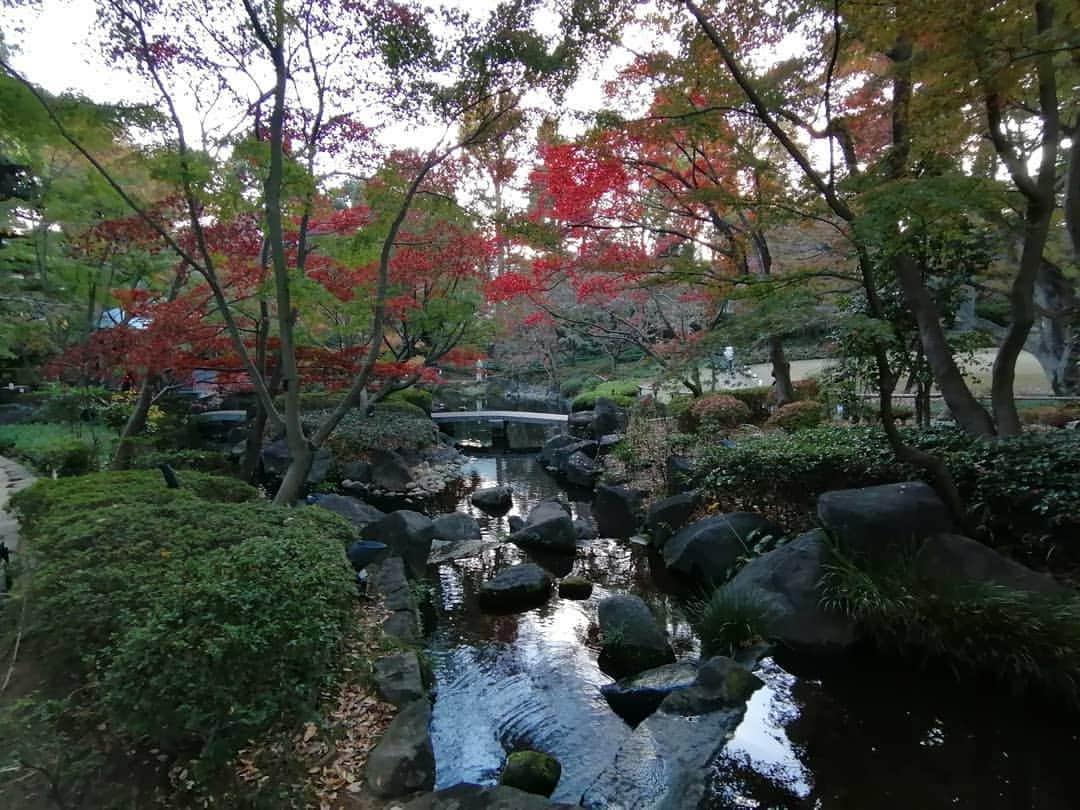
(797, 416)
(718, 411)
(232, 642)
(400, 406)
(756, 399)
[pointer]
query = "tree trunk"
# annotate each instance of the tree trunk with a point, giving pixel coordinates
(969, 414)
(135, 425)
(781, 371)
(1022, 311)
(296, 476)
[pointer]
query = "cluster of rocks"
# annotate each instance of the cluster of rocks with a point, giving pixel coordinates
(574, 457)
(406, 474)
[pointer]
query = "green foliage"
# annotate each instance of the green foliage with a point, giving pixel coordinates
(1024, 489)
(198, 616)
(390, 427)
(400, 406)
(422, 399)
(1026, 640)
(716, 412)
(313, 401)
(622, 392)
(233, 641)
(728, 621)
(55, 448)
(797, 416)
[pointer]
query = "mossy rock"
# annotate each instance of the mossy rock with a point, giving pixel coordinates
(532, 772)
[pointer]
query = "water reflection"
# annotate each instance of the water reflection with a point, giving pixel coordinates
(531, 679)
(871, 735)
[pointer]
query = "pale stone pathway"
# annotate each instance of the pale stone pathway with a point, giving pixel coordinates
(13, 477)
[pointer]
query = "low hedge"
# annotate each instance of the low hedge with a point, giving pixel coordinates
(193, 617)
(422, 399)
(1023, 489)
(713, 412)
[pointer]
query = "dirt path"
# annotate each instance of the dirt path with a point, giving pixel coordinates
(13, 477)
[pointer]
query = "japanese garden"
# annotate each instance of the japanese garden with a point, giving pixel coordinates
(497, 404)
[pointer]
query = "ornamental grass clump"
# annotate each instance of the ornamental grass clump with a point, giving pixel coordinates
(729, 621)
(1026, 640)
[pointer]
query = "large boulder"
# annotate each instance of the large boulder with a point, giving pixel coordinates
(276, 459)
(358, 472)
(474, 797)
(679, 474)
(456, 527)
(352, 509)
(390, 471)
(667, 516)
(617, 510)
(398, 679)
(548, 453)
(786, 583)
(631, 638)
(638, 696)
(549, 528)
(580, 470)
(403, 761)
(531, 771)
(663, 765)
(493, 500)
(518, 587)
(881, 522)
(575, 588)
(949, 559)
(579, 423)
(721, 683)
(607, 418)
(408, 534)
(708, 550)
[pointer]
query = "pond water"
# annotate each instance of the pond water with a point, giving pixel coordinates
(868, 734)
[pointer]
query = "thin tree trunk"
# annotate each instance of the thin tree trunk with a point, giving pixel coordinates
(781, 371)
(135, 424)
(968, 412)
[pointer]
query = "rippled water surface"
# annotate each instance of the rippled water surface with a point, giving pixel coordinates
(865, 735)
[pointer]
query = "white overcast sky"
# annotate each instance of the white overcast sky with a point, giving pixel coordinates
(55, 46)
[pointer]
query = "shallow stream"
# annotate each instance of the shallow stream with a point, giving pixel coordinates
(867, 734)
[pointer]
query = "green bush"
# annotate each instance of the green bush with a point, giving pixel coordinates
(1026, 640)
(196, 616)
(622, 392)
(797, 416)
(424, 400)
(207, 461)
(717, 411)
(232, 642)
(727, 622)
(85, 496)
(1025, 489)
(390, 427)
